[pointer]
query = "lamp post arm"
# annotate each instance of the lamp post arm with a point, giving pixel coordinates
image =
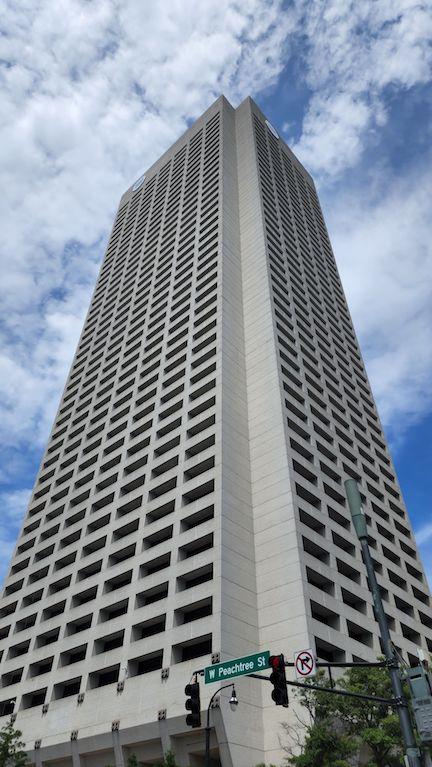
(212, 699)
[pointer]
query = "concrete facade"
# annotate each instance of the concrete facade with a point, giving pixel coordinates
(189, 505)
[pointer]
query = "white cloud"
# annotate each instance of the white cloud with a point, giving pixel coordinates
(13, 506)
(424, 534)
(93, 93)
(423, 538)
(382, 243)
(353, 52)
(31, 380)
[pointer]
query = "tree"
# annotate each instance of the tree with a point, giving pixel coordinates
(11, 747)
(338, 726)
(169, 761)
(374, 724)
(326, 747)
(325, 744)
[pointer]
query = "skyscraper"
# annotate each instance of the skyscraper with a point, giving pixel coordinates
(190, 503)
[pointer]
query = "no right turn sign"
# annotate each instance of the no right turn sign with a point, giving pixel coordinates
(305, 664)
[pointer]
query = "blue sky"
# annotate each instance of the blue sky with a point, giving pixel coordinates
(93, 92)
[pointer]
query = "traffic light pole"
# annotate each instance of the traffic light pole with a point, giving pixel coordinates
(359, 522)
(332, 690)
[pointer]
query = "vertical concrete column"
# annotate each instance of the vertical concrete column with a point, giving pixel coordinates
(225, 752)
(118, 751)
(38, 758)
(282, 616)
(180, 751)
(165, 736)
(238, 611)
(76, 761)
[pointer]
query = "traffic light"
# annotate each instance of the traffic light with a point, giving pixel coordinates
(278, 680)
(193, 704)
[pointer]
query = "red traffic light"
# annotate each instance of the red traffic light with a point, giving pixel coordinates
(275, 661)
(278, 680)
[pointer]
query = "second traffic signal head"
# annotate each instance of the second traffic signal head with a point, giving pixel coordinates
(278, 680)
(193, 705)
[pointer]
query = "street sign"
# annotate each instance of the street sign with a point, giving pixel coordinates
(250, 664)
(305, 664)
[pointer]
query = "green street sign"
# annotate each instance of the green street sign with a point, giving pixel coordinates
(250, 664)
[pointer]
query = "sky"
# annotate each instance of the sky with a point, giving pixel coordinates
(93, 91)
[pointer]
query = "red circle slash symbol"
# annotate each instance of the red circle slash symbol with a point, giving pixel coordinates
(304, 664)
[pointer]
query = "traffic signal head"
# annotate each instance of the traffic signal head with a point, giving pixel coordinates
(193, 705)
(278, 680)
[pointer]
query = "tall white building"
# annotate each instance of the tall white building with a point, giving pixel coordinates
(190, 501)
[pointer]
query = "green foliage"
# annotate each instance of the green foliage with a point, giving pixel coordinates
(132, 760)
(169, 761)
(11, 747)
(339, 725)
(324, 746)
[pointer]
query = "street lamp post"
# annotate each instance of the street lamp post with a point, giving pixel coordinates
(359, 522)
(233, 703)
